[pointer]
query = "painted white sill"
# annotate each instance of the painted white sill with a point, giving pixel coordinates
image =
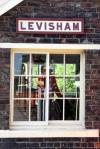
(48, 133)
(51, 46)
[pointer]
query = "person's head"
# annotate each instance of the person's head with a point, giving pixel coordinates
(43, 69)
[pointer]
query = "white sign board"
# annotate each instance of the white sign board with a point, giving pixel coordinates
(50, 26)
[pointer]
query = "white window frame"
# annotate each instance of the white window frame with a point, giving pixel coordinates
(52, 124)
(56, 132)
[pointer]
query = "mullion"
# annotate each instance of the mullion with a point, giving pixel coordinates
(64, 88)
(47, 89)
(30, 67)
(77, 102)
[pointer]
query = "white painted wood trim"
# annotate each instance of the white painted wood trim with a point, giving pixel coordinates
(8, 5)
(47, 89)
(20, 125)
(51, 46)
(45, 132)
(48, 133)
(82, 88)
(2, 2)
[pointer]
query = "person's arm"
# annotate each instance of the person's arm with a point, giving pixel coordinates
(55, 87)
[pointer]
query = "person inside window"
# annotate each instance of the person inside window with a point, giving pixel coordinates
(55, 106)
(41, 82)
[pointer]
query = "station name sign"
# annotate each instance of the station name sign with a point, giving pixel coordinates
(74, 26)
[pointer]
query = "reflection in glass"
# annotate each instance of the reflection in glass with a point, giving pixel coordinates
(21, 64)
(55, 87)
(72, 109)
(30, 82)
(72, 87)
(70, 69)
(55, 109)
(35, 69)
(21, 87)
(72, 64)
(34, 90)
(21, 110)
(38, 60)
(38, 87)
(38, 110)
(56, 64)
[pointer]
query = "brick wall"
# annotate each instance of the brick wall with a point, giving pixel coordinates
(86, 9)
(4, 88)
(92, 89)
(50, 143)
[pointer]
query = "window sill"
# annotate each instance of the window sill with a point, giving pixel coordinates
(44, 133)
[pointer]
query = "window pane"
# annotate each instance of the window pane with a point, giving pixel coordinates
(34, 90)
(38, 87)
(72, 87)
(64, 87)
(21, 87)
(35, 69)
(21, 110)
(70, 69)
(56, 87)
(21, 64)
(56, 109)
(38, 110)
(72, 64)
(72, 109)
(56, 64)
(38, 61)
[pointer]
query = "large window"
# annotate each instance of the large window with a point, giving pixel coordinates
(47, 88)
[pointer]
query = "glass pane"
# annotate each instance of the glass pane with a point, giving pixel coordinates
(38, 61)
(72, 87)
(21, 64)
(34, 90)
(56, 109)
(55, 87)
(71, 109)
(56, 64)
(70, 69)
(35, 69)
(21, 87)
(38, 110)
(72, 64)
(21, 110)
(38, 87)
